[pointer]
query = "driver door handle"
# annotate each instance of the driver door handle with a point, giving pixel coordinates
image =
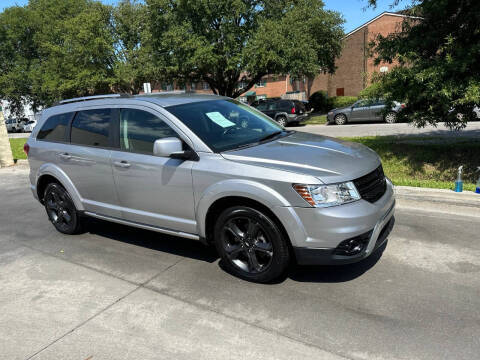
(122, 164)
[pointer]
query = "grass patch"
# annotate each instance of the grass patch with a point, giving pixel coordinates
(316, 120)
(17, 148)
(426, 161)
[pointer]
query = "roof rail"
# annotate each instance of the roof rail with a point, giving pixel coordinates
(94, 97)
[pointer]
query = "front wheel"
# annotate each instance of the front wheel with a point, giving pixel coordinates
(61, 210)
(340, 119)
(251, 245)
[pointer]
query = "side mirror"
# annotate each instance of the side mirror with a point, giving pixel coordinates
(172, 147)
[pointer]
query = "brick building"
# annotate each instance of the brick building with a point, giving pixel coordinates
(354, 68)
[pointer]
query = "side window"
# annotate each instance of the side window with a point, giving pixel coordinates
(262, 106)
(139, 130)
(54, 128)
(91, 127)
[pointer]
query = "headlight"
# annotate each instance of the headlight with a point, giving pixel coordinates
(330, 113)
(328, 195)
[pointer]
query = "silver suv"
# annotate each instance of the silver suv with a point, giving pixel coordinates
(210, 168)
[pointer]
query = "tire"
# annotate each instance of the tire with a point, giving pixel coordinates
(61, 210)
(282, 120)
(391, 118)
(340, 119)
(251, 244)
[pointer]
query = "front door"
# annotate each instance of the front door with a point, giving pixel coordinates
(360, 111)
(152, 190)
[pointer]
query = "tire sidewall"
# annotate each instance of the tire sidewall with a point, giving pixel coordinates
(281, 257)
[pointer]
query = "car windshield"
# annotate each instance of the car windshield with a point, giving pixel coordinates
(227, 124)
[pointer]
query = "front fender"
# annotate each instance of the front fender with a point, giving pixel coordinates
(63, 179)
(250, 190)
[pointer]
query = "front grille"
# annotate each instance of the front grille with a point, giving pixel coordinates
(372, 186)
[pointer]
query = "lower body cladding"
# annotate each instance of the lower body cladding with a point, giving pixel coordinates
(294, 118)
(341, 234)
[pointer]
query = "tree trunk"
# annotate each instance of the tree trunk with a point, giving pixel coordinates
(6, 158)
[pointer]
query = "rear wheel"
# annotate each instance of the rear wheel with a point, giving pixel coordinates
(391, 118)
(340, 119)
(282, 120)
(251, 244)
(61, 210)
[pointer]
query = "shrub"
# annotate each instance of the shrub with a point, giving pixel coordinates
(340, 101)
(318, 101)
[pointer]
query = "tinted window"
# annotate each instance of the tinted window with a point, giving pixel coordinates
(91, 127)
(139, 130)
(227, 124)
(54, 127)
(284, 104)
(263, 105)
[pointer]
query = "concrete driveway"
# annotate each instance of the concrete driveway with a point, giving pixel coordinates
(381, 129)
(122, 293)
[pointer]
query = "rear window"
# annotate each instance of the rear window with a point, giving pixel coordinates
(91, 128)
(54, 128)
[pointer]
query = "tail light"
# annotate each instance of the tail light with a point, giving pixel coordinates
(26, 148)
(403, 106)
(293, 110)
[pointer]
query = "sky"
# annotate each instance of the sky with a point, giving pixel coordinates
(353, 11)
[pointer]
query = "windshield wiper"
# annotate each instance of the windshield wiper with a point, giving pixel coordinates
(270, 136)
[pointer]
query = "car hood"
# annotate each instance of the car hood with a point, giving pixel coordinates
(342, 109)
(330, 160)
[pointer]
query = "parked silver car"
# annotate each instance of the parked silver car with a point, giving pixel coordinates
(212, 169)
(363, 111)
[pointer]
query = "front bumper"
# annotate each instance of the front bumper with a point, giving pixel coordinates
(317, 234)
(308, 256)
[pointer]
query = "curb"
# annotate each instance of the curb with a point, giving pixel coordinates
(439, 196)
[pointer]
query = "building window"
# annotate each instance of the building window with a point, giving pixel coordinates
(261, 83)
(243, 99)
(261, 97)
(205, 86)
(242, 84)
(340, 91)
(193, 86)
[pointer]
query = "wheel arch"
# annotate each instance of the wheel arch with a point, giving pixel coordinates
(51, 173)
(229, 193)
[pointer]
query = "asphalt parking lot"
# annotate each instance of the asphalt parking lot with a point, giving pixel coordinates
(382, 129)
(121, 293)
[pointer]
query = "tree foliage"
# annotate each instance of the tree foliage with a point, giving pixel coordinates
(55, 49)
(232, 44)
(439, 62)
(133, 64)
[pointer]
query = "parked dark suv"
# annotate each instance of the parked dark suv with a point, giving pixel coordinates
(283, 111)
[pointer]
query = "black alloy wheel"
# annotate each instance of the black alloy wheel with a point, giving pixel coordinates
(61, 210)
(251, 244)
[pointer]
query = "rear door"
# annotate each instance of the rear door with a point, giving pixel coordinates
(376, 110)
(152, 190)
(86, 160)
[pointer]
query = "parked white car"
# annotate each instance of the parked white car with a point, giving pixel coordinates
(13, 125)
(29, 126)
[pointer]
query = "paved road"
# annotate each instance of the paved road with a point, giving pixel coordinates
(381, 129)
(121, 293)
(18, 135)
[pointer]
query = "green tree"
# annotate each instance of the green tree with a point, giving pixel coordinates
(232, 44)
(439, 62)
(51, 50)
(134, 64)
